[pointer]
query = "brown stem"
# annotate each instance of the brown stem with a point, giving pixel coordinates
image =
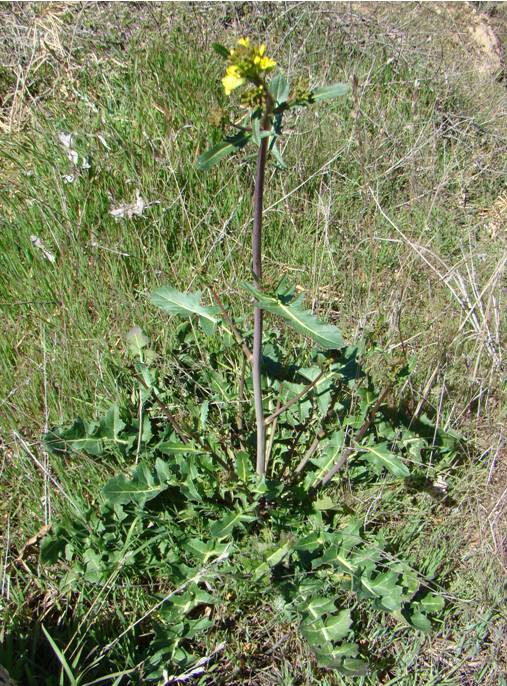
(295, 399)
(357, 438)
(177, 427)
(311, 450)
(257, 274)
(172, 419)
(232, 325)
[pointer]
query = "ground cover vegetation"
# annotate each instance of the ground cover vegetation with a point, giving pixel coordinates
(140, 544)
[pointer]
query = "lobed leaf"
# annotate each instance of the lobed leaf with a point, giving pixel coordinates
(184, 304)
(381, 456)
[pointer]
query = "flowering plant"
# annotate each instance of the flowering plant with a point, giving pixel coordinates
(266, 102)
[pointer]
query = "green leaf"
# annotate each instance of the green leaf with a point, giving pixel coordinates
(319, 632)
(221, 50)
(337, 626)
(111, 425)
(325, 503)
(432, 603)
(164, 473)
(327, 92)
(136, 340)
(279, 89)
(87, 438)
(354, 667)
(225, 526)
(184, 304)
(385, 585)
(218, 152)
(326, 336)
(318, 606)
(243, 466)
(332, 452)
(257, 134)
(178, 448)
(336, 557)
(61, 657)
(273, 146)
(381, 456)
(419, 621)
(52, 548)
(310, 543)
(139, 489)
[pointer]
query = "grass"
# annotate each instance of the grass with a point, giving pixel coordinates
(382, 218)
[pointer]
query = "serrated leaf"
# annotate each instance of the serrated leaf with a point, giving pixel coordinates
(309, 543)
(87, 438)
(354, 667)
(319, 632)
(184, 304)
(318, 606)
(111, 424)
(338, 626)
(164, 473)
(432, 603)
(217, 153)
(139, 489)
(336, 557)
(276, 556)
(325, 503)
(381, 456)
(334, 91)
(326, 336)
(385, 585)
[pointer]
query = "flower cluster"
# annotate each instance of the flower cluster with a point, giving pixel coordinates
(247, 62)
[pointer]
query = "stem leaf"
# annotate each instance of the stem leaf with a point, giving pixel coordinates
(326, 336)
(326, 92)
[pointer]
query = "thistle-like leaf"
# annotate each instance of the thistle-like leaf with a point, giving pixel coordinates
(326, 336)
(381, 456)
(82, 437)
(184, 304)
(138, 489)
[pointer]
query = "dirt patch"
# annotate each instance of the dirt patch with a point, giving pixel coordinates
(488, 49)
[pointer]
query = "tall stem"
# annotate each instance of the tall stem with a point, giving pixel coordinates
(257, 274)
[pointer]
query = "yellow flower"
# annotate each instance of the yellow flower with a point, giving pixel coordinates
(247, 62)
(267, 64)
(264, 63)
(232, 79)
